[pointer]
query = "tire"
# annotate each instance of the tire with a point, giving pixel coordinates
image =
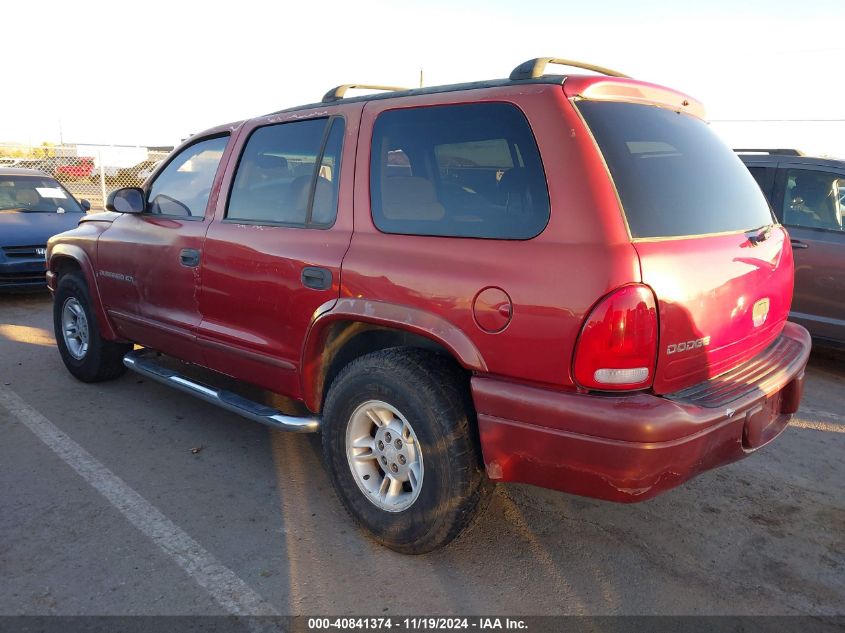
(101, 359)
(429, 394)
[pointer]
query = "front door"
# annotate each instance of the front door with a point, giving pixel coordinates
(272, 259)
(812, 209)
(151, 261)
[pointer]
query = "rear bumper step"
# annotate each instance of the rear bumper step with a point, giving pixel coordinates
(142, 362)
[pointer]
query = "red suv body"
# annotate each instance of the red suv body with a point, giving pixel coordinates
(603, 271)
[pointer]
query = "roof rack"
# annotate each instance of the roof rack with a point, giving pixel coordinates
(534, 68)
(778, 152)
(336, 94)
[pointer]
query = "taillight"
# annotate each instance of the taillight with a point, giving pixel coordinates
(617, 348)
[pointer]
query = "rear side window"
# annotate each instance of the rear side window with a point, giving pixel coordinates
(674, 176)
(288, 174)
(460, 171)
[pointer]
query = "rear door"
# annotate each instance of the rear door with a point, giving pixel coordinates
(272, 258)
(709, 247)
(812, 207)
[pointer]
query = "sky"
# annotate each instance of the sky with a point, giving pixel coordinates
(770, 73)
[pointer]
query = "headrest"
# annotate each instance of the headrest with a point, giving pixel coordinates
(410, 198)
(268, 161)
(26, 196)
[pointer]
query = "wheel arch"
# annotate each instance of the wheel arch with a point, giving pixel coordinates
(354, 327)
(67, 258)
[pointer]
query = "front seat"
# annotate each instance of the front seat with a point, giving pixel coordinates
(410, 198)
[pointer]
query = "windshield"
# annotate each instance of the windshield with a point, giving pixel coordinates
(35, 194)
(674, 176)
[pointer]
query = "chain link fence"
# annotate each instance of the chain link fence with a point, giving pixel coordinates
(89, 172)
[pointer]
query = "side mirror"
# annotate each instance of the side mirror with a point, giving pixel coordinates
(126, 200)
(86, 206)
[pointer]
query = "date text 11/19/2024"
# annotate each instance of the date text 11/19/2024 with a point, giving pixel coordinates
(417, 623)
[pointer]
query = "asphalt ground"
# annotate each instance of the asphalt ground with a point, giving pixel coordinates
(129, 498)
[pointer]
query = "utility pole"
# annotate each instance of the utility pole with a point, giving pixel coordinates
(421, 77)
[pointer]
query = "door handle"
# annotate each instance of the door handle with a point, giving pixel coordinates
(799, 244)
(316, 278)
(189, 257)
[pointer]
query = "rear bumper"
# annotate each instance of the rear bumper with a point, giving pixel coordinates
(632, 447)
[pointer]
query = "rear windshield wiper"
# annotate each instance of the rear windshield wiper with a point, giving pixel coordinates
(755, 236)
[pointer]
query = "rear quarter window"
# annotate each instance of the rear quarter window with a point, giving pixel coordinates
(470, 170)
(674, 176)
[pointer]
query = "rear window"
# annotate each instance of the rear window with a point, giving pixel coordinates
(458, 170)
(674, 176)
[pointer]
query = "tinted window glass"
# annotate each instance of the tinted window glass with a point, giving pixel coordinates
(279, 179)
(34, 194)
(463, 171)
(182, 189)
(674, 176)
(765, 178)
(814, 199)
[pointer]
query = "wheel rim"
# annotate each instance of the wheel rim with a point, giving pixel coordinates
(75, 328)
(384, 456)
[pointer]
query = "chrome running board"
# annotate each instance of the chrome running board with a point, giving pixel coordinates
(140, 361)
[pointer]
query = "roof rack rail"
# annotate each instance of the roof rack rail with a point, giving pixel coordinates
(778, 152)
(534, 68)
(336, 94)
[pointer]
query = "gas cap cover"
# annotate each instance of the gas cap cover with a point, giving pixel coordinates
(492, 309)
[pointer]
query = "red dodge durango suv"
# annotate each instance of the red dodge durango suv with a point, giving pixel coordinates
(567, 281)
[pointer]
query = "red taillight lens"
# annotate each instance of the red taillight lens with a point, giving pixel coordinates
(617, 348)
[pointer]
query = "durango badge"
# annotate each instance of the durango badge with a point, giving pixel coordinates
(760, 312)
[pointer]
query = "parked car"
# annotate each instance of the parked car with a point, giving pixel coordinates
(808, 197)
(33, 208)
(443, 282)
(73, 168)
(144, 170)
(133, 176)
(44, 165)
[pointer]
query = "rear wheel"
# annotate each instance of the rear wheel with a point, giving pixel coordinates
(86, 354)
(399, 444)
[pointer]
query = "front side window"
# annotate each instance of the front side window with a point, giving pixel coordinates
(289, 174)
(814, 199)
(459, 171)
(674, 176)
(182, 189)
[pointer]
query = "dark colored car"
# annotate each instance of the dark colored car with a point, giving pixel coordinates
(568, 281)
(33, 208)
(808, 197)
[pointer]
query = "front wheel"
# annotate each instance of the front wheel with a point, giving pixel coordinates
(86, 354)
(399, 443)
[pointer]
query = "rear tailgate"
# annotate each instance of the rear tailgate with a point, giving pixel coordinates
(721, 301)
(709, 247)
